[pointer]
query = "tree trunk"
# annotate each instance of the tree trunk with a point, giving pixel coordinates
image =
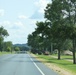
(74, 43)
(58, 54)
(51, 48)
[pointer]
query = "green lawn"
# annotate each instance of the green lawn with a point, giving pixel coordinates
(61, 63)
(69, 57)
(2, 53)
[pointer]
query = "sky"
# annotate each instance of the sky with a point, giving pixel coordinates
(19, 18)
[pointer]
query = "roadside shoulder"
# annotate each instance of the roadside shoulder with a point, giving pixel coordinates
(54, 67)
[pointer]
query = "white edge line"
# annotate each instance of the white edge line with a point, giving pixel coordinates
(37, 66)
(39, 69)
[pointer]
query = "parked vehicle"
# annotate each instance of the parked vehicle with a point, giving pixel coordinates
(46, 53)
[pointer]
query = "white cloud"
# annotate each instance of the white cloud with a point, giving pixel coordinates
(17, 36)
(22, 17)
(6, 24)
(1, 12)
(37, 15)
(12, 25)
(33, 22)
(18, 31)
(19, 23)
(42, 4)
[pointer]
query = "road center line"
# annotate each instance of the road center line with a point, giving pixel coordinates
(37, 66)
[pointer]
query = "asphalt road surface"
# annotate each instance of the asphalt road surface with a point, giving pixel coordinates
(22, 64)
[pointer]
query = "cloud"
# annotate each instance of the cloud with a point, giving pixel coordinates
(6, 24)
(12, 25)
(19, 23)
(33, 22)
(18, 36)
(22, 17)
(18, 31)
(41, 4)
(37, 15)
(1, 12)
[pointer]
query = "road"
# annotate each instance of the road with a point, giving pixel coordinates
(22, 64)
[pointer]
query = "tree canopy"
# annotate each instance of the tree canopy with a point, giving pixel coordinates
(60, 26)
(3, 33)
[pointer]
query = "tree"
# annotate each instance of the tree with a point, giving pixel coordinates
(8, 49)
(62, 15)
(43, 30)
(31, 40)
(1, 43)
(70, 9)
(17, 49)
(3, 33)
(53, 13)
(34, 42)
(7, 46)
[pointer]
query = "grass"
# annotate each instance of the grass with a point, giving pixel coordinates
(61, 63)
(2, 53)
(64, 56)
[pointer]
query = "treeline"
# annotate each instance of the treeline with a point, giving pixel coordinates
(4, 46)
(58, 31)
(8, 46)
(20, 47)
